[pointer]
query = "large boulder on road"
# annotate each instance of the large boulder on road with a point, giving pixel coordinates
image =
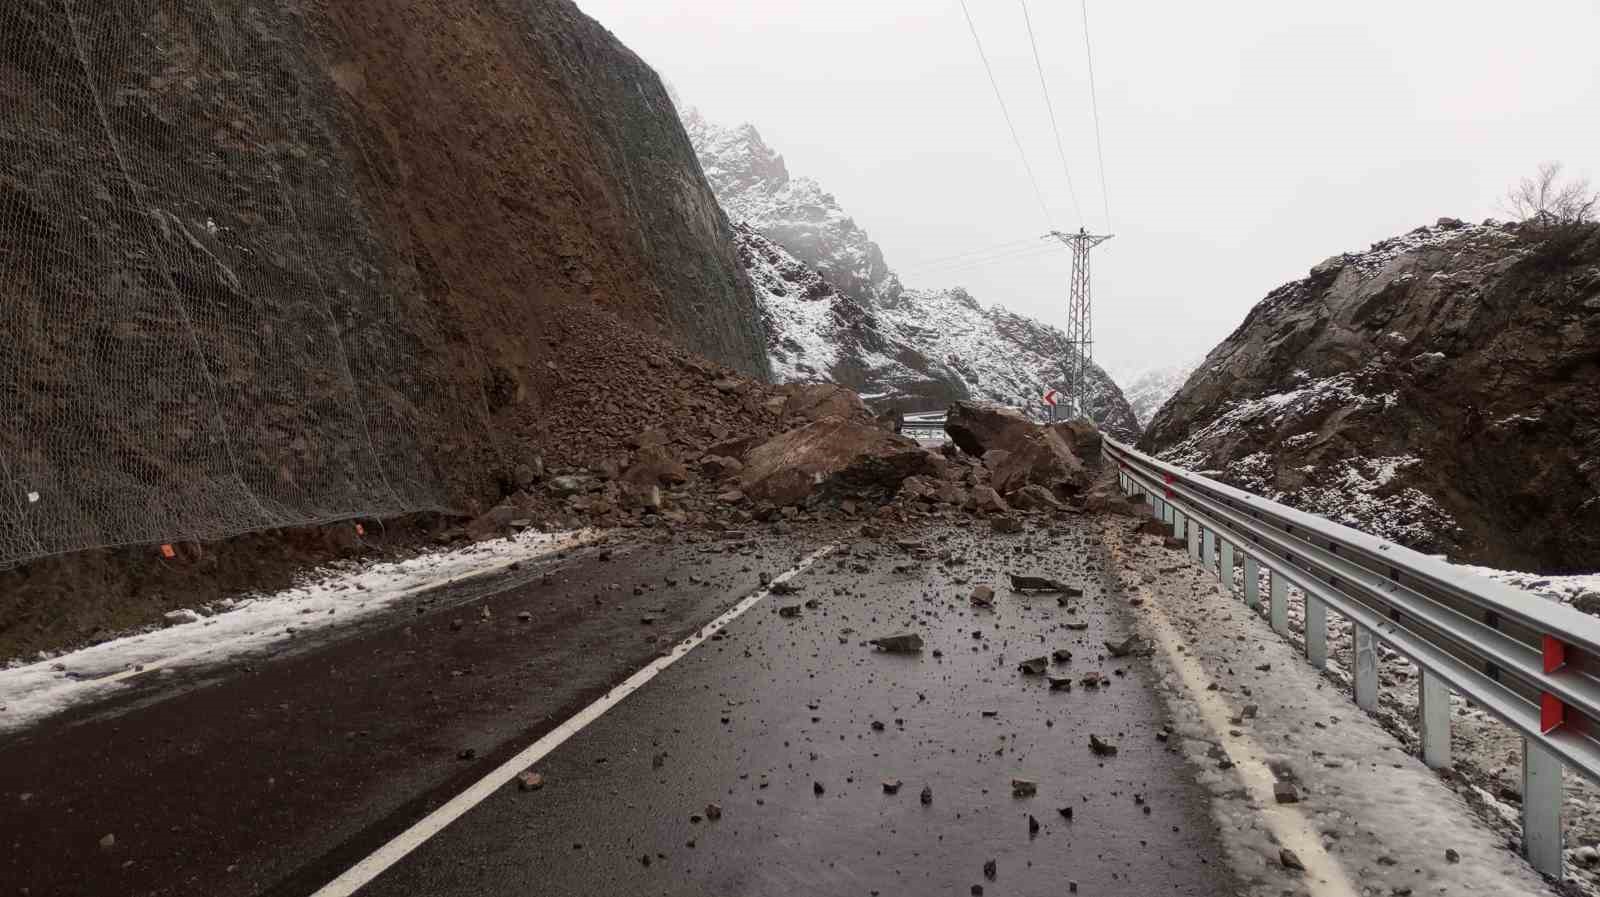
(850, 454)
(1019, 452)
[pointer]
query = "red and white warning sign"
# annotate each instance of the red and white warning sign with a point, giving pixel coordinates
(1050, 397)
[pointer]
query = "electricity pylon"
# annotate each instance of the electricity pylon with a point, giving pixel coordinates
(1080, 323)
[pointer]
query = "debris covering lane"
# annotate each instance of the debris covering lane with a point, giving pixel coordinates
(841, 767)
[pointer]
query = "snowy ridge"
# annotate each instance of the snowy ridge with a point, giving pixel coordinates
(1148, 390)
(834, 310)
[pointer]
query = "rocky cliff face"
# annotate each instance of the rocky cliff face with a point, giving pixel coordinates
(264, 264)
(836, 312)
(1441, 389)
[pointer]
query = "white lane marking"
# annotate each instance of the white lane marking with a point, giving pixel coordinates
(402, 844)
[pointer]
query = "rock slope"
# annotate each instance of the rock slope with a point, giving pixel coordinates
(274, 264)
(1441, 389)
(836, 312)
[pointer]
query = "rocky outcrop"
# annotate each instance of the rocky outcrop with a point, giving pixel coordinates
(835, 311)
(1441, 389)
(328, 258)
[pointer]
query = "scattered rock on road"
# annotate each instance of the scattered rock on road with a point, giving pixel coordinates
(983, 596)
(1101, 748)
(1034, 666)
(908, 643)
(1289, 860)
(529, 781)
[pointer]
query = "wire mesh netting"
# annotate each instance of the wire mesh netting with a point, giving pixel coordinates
(200, 333)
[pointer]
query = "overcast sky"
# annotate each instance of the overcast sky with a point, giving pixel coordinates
(1244, 141)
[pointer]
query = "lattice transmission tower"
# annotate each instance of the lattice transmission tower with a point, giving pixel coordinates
(1080, 320)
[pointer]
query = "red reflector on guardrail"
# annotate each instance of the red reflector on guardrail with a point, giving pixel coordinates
(1552, 713)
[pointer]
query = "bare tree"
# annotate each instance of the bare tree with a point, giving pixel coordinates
(1548, 200)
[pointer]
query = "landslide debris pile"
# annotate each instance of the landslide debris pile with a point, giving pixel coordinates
(269, 265)
(834, 311)
(1441, 389)
(741, 451)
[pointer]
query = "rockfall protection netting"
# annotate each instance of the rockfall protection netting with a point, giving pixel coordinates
(197, 336)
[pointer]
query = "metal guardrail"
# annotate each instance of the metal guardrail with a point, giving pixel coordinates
(1530, 662)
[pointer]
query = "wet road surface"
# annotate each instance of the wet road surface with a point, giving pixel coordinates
(791, 725)
(271, 775)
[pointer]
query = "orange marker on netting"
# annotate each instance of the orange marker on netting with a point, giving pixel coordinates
(361, 530)
(167, 552)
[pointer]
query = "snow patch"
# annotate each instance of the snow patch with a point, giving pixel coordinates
(329, 597)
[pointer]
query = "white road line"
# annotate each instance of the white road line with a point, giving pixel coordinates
(361, 873)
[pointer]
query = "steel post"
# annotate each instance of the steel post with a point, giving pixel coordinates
(1180, 525)
(1541, 808)
(1433, 711)
(1316, 630)
(1208, 550)
(1365, 667)
(1194, 541)
(1278, 599)
(1225, 569)
(1252, 582)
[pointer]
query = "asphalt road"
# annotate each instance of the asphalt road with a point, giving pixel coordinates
(792, 725)
(273, 776)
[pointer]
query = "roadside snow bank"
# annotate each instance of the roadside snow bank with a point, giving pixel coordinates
(329, 596)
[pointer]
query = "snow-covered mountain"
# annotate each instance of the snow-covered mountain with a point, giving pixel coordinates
(835, 311)
(1148, 390)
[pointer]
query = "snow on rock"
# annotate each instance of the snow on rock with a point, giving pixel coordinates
(1148, 390)
(331, 596)
(1438, 390)
(835, 311)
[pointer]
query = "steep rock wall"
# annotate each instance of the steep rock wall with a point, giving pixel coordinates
(271, 264)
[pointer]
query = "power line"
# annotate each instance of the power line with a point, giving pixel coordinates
(944, 258)
(1005, 253)
(1017, 255)
(1003, 111)
(1052, 107)
(1100, 152)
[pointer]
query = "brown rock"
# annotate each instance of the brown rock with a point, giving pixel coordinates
(655, 465)
(815, 401)
(1034, 497)
(716, 467)
(857, 455)
(985, 499)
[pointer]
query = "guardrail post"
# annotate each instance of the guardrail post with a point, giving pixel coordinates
(1194, 540)
(1252, 582)
(1541, 808)
(1316, 631)
(1180, 528)
(1365, 667)
(1208, 550)
(1278, 605)
(1433, 711)
(1225, 569)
